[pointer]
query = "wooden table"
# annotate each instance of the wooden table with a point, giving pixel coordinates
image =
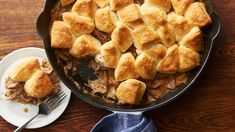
(208, 106)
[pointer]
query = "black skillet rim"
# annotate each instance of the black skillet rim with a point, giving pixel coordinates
(42, 20)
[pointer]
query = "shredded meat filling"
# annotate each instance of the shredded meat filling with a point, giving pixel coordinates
(105, 85)
(139, 2)
(15, 90)
(101, 36)
(100, 85)
(162, 84)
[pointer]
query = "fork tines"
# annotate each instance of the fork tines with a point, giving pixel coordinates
(54, 100)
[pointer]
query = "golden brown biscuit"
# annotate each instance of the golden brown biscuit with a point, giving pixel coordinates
(130, 15)
(131, 92)
(78, 24)
(85, 45)
(189, 59)
(162, 4)
(145, 66)
(109, 55)
(39, 85)
(144, 37)
(102, 3)
(180, 6)
(105, 19)
(126, 68)
(153, 16)
(193, 39)
(85, 8)
(156, 52)
(66, 2)
(170, 63)
(25, 70)
(179, 25)
(167, 35)
(118, 4)
(197, 15)
(121, 35)
(61, 36)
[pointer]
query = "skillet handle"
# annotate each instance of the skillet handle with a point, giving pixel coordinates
(124, 122)
(41, 25)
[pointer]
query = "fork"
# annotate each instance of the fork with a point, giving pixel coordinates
(46, 107)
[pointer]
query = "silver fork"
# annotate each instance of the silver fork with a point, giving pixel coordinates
(46, 107)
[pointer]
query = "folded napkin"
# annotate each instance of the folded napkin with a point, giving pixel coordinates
(122, 122)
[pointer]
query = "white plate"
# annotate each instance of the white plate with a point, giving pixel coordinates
(13, 112)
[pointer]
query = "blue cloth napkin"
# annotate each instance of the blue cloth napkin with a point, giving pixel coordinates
(122, 122)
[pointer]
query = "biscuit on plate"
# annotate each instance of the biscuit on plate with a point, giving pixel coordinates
(25, 70)
(39, 85)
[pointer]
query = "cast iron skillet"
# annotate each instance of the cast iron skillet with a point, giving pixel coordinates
(210, 32)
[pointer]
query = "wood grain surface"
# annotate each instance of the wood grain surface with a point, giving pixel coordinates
(208, 106)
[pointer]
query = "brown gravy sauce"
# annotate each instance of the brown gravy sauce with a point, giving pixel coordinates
(26, 110)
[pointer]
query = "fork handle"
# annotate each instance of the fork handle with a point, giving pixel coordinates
(24, 125)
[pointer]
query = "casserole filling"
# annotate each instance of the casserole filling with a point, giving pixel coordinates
(130, 52)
